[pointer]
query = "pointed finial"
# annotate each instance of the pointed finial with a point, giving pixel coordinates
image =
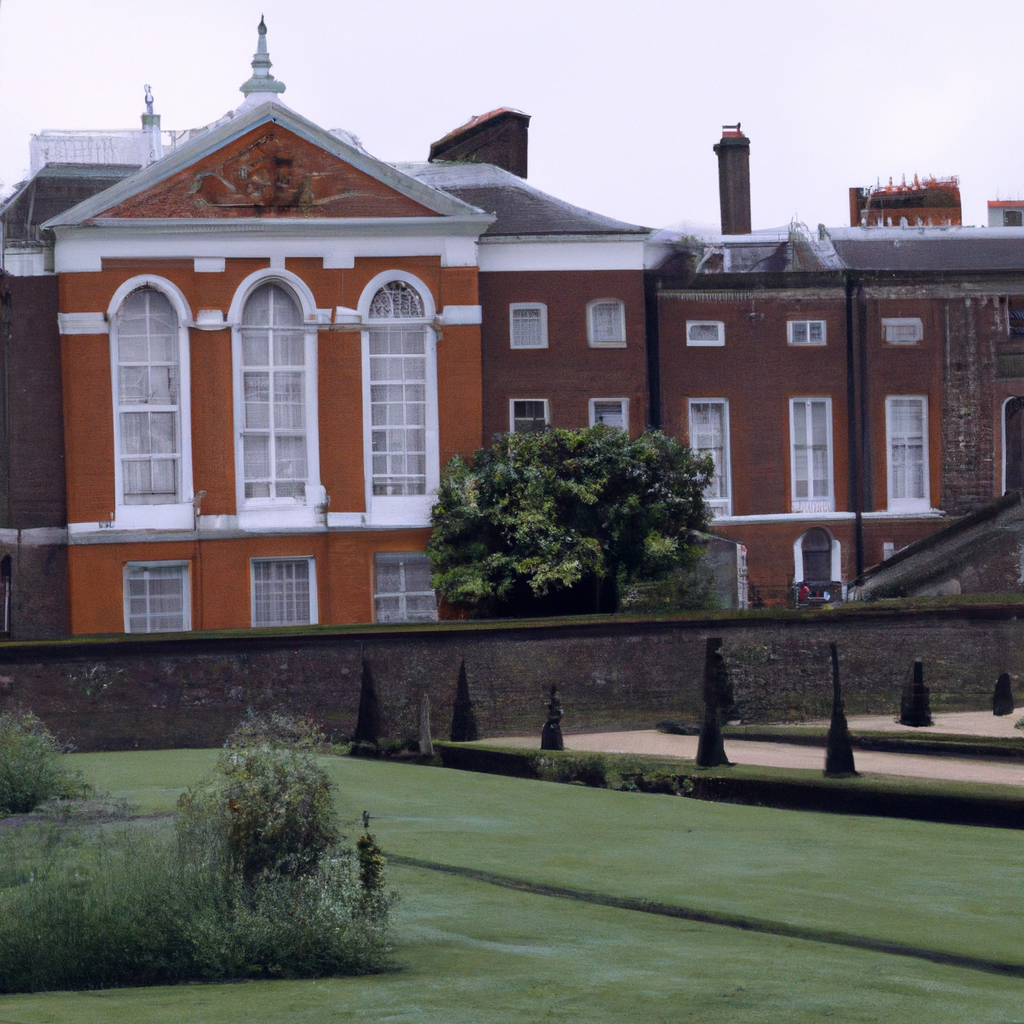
(261, 80)
(149, 99)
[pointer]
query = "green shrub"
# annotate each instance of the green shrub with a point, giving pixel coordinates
(275, 730)
(586, 769)
(30, 765)
(1019, 724)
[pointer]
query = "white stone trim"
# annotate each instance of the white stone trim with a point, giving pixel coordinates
(210, 320)
(82, 323)
(43, 536)
(500, 255)
(209, 264)
(461, 315)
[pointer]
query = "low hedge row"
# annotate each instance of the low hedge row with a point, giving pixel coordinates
(790, 789)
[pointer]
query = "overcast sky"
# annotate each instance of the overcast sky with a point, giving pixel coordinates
(627, 98)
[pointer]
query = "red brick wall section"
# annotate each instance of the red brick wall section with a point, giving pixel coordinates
(620, 674)
(568, 373)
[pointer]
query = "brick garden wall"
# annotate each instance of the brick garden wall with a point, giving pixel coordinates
(612, 673)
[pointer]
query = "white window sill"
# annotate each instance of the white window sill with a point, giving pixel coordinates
(813, 505)
(405, 510)
(909, 505)
(292, 517)
(607, 344)
(719, 509)
(179, 516)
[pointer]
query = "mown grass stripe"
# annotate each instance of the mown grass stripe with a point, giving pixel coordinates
(749, 924)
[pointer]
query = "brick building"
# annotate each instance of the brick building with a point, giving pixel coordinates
(270, 342)
(855, 386)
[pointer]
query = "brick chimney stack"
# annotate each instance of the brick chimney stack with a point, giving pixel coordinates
(734, 180)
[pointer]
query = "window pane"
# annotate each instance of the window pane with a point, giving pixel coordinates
(147, 375)
(707, 437)
(800, 332)
(398, 409)
(396, 300)
(527, 327)
(907, 447)
(528, 415)
(610, 413)
(403, 592)
(157, 598)
(281, 592)
(606, 321)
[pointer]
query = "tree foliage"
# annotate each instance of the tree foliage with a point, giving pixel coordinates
(563, 521)
(32, 769)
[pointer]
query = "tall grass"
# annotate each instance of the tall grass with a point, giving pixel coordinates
(129, 905)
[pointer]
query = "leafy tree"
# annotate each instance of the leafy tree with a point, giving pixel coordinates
(32, 769)
(565, 521)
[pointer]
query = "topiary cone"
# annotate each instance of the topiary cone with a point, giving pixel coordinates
(839, 749)
(463, 719)
(710, 748)
(368, 724)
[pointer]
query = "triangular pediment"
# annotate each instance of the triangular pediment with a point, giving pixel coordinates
(268, 163)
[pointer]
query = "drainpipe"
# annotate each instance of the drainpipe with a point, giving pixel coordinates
(853, 454)
(652, 285)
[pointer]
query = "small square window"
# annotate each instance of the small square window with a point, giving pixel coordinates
(528, 325)
(888, 549)
(403, 592)
(156, 597)
(606, 323)
(283, 592)
(902, 330)
(528, 414)
(806, 332)
(612, 412)
(1013, 219)
(705, 332)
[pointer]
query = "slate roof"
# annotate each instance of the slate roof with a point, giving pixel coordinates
(521, 209)
(938, 252)
(52, 190)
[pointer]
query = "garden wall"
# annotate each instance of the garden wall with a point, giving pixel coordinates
(612, 672)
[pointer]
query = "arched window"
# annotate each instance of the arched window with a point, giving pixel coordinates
(398, 390)
(148, 397)
(816, 548)
(275, 463)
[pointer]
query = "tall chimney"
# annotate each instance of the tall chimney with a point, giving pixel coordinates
(734, 180)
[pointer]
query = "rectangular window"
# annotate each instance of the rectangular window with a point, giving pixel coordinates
(283, 592)
(528, 325)
(398, 409)
(606, 323)
(705, 332)
(403, 592)
(613, 412)
(1012, 219)
(709, 435)
(810, 431)
(806, 332)
(156, 597)
(902, 330)
(528, 414)
(888, 549)
(906, 429)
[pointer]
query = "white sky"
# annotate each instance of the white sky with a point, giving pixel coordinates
(627, 98)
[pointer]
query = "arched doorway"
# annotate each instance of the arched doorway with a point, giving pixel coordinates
(816, 551)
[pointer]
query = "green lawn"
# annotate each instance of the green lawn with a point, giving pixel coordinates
(475, 952)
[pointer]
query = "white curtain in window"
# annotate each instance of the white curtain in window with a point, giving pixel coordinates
(810, 448)
(281, 592)
(157, 598)
(906, 447)
(606, 321)
(527, 328)
(707, 437)
(274, 460)
(148, 398)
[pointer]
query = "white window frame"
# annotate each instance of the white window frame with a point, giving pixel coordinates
(177, 515)
(314, 617)
(513, 306)
(592, 333)
(592, 410)
(811, 503)
(791, 324)
(401, 509)
(893, 324)
(512, 412)
(186, 597)
(922, 504)
(256, 513)
(402, 595)
(719, 342)
(719, 506)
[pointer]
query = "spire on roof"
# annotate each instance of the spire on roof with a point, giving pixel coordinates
(262, 80)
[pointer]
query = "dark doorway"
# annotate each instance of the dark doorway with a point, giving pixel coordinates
(1013, 454)
(817, 554)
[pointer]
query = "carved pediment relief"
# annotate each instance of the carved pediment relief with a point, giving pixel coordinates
(270, 172)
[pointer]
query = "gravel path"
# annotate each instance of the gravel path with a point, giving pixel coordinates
(788, 755)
